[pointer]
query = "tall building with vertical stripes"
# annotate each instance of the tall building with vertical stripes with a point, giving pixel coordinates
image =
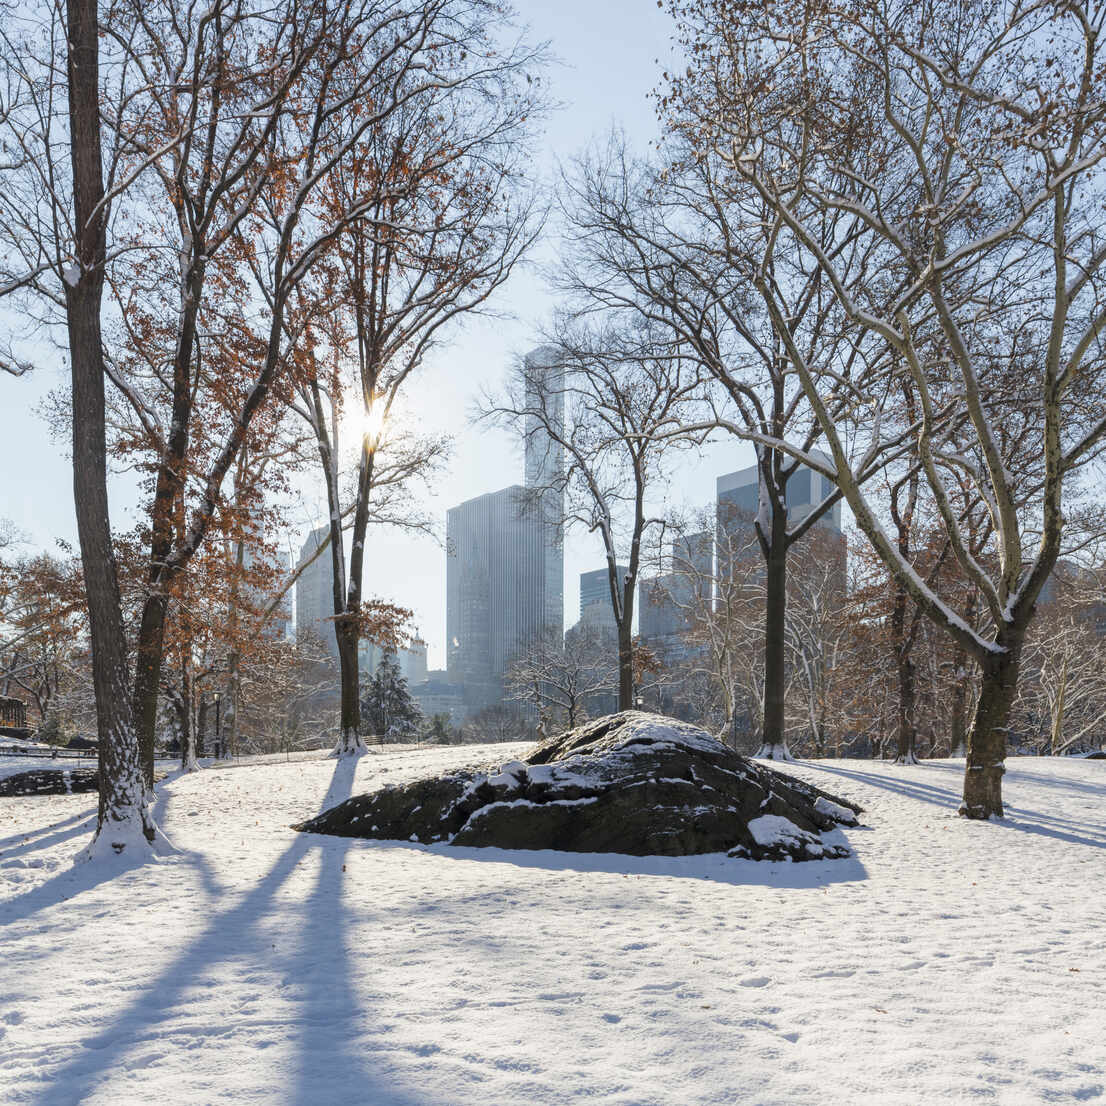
(315, 591)
(505, 557)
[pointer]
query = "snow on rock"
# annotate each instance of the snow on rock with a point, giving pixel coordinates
(778, 838)
(49, 781)
(632, 783)
(836, 811)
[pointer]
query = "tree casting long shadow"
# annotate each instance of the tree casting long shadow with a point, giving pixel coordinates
(318, 968)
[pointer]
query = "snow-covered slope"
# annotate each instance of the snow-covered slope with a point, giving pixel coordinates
(950, 961)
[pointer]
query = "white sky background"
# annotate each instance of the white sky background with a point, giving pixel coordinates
(608, 52)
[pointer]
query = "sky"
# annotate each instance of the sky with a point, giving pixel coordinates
(609, 57)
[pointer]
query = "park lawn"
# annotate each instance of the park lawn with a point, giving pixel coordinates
(946, 961)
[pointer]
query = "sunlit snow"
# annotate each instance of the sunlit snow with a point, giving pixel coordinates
(947, 961)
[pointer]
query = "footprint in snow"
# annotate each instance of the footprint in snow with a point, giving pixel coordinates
(755, 981)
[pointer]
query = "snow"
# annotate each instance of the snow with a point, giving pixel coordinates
(834, 810)
(664, 733)
(772, 829)
(947, 961)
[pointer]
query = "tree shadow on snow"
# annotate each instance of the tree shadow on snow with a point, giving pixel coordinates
(46, 837)
(1019, 817)
(78, 879)
(1049, 825)
(16, 838)
(315, 979)
(912, 788)
(1016, 773)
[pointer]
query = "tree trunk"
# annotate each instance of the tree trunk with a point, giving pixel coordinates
(1056, 731)
(731, 727)
(201, 726)
(230, 711)
(233, 687)
(958, 735)
(625, 666)
(908, 734)
(147, 676)
(350, 743)
(987, 739)
(187, 742)
(820, 738)
(964, 687)
(124, 817)
(904, 670)
(774, 745)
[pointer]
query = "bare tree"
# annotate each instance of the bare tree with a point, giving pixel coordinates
(1063, 693)
(562, 675)
(616, 405)
(966, 144)
(271, 133)
(285, 697)
(450, 216)
(57, 197)
(710, 579)
(43, 628)
(816, 633)
(679, 247)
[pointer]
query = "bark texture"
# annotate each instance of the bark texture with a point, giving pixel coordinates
(987, 738)
(774, 745)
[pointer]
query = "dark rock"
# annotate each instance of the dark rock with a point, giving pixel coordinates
(629, 783)
(49, 781)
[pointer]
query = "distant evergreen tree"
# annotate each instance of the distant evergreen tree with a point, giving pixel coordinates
(50, 732)
(388, 709)
(438, 730)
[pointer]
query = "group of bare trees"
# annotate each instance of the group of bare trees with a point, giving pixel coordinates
(183, 188)
(932, 169)
(445, 224)
(564, 677)
(876, 229)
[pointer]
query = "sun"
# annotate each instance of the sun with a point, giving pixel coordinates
(372, 424)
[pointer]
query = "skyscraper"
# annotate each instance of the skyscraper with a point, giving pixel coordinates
(667, 601)
(736, 507)
(738, 494)
(595, 599)
(411, 659)
(315, 592)
(505, 556)
(544, 471)
(279, 625)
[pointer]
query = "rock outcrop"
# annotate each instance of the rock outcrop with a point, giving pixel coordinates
(630, 783)
(49, 781)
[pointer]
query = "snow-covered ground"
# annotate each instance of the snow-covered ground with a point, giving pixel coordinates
(949, 961)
